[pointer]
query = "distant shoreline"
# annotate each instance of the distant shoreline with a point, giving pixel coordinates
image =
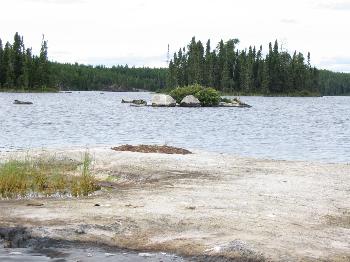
(39, 90)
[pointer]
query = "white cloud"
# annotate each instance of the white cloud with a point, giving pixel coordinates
(335, 5)
(138, 32)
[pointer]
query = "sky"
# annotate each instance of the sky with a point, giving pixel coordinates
(137, 32)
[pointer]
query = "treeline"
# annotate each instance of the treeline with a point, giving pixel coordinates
(229, 69)
(117, 78)
(333, 83)
(225, 68)
(20, 69)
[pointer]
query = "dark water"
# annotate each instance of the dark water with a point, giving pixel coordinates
(279, 128)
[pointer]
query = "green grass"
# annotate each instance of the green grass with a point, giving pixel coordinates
(46, 176)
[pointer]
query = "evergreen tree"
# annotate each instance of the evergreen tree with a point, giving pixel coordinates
(43, 65)
(18, 57)
(2, 72)
(8, 66)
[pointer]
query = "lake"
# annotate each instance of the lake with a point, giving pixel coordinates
(289, 128)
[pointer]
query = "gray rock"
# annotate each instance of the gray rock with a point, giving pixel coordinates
(135, 101)
(18, 102)
(190, 101)
(160, 100)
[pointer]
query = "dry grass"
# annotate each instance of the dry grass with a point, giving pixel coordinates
(46, 176)
(152, 149)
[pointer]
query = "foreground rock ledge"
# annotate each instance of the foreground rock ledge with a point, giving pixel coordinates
(201, 204)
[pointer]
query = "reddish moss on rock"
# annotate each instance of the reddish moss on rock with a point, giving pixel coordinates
(152, 149)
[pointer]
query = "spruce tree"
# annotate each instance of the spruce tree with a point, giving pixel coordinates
(8, 66)
(2, 72)
(17, 51)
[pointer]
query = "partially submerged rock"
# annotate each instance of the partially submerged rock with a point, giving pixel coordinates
(135, 101)
(190, 101)
(18, 102)
(161, 100)
(235, 102)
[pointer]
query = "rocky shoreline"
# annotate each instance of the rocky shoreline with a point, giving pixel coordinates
(203, 205)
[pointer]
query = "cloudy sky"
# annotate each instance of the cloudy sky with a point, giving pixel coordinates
(137, 32)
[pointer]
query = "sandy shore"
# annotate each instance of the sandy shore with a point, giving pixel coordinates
(201, 204)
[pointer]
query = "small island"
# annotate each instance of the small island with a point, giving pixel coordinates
(189, 96)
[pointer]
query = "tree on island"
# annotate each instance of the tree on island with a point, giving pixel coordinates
(229, 69)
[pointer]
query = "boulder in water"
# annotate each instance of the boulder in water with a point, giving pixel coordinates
(161, 100)
(190, 101)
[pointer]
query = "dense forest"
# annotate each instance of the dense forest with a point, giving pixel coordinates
(225, 68)
(248, 71)
(20, 70)
(116, 78)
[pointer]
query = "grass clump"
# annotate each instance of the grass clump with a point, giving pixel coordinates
(46, 176)
(206, 95)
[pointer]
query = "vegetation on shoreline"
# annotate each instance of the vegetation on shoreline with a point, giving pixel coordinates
(116, 78)
(207, 96)
(46, 176)
(225, 68)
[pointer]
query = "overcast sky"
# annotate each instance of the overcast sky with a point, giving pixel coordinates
(137, 32)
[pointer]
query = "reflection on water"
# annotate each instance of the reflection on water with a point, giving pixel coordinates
(279, 128)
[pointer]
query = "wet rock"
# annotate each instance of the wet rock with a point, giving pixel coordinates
(190, 101)
(234, 104)
(135, 101)
(18, 102)
(80, 230)
(161, 100)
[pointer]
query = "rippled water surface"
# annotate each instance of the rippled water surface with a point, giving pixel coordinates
(278, 128)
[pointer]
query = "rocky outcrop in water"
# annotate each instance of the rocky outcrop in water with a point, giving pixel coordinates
(18, 102)
(190, 101)
(235, 102)
(135, 101)
(161, 100)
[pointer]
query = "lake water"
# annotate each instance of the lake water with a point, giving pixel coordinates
(275, 127)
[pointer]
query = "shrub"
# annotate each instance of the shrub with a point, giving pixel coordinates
(180, 92)
(207, 96)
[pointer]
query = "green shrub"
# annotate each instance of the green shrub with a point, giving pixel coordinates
(180, 92)
(207, 96)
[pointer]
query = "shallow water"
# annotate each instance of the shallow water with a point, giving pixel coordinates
(74, 254)
(275, 127)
